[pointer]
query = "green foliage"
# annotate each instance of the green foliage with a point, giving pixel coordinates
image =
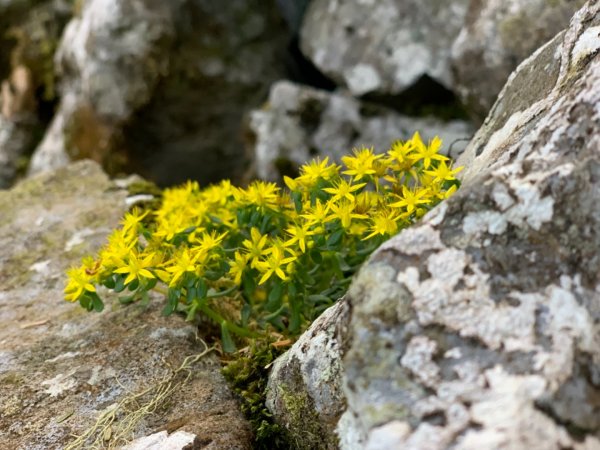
(261, 259)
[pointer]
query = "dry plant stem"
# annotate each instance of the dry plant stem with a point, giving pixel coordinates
(109, 431)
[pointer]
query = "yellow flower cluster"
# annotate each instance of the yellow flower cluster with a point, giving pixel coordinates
(283, 254)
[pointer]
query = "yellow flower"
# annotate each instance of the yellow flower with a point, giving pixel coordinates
(136, 268)
(384, 223)
(132, 220)
(167, 228)
(315, 215)
(344, 212)
(316, 169)
(343, 190)
(443, 173)
(182, 263)
(298, 233)
(259, 193)
(430, 152)
(206, 242)
(239, 264)
(410, 199)
(272, 265)
(119, 245)
(255, 246)
(362, 164)
(79, 281)
(399, 156)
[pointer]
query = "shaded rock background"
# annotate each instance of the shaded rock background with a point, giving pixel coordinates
(60, 366)
(382, 46)
(496, 36)
(29, 35)
(299, 123)
(168, 89)
(479, 327)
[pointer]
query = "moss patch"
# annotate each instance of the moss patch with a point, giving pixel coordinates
(247, 375)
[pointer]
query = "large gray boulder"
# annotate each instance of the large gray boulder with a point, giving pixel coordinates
(382, 46)
(299, 123)
(496, 37)
(62, 368)
(479, 327)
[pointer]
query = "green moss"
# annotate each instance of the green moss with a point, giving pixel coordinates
(247, 375)
(301, 414)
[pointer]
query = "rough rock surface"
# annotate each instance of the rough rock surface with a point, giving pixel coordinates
(110, 59)
(299, 123)
(382, 46)
(310, 414)
(60, 366)
(496, 37)
(479, 327)
(162, 87)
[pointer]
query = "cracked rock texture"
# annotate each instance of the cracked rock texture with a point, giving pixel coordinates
(479, 327)
(496, 37)
(299, 123)
(60, 366)
(382, 46)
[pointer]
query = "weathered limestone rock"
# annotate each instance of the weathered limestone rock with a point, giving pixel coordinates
(382, 46)
(479, 327)
(304, 391)
(496, 37)
(299, 123)
(60, 366)
(110, 59)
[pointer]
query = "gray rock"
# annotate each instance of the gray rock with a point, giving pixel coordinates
(62, 367)
(382, 46)
(304, 392)
(478, 327)
(110, 59)
(496, 37)
(162, 87)
(299, 123)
